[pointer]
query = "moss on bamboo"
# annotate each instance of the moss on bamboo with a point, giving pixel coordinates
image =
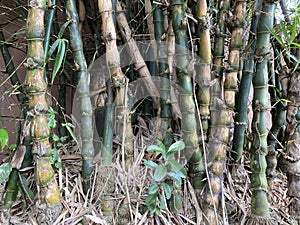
(187, 105)
(86, 128)
(243, 94)
(259, 184)
(36, 87)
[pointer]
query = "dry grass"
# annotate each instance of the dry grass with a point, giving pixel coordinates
(126, 190)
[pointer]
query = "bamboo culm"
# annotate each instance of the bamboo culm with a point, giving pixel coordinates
(186, 101)
(259, 201)
(36, 87)
(83, 78)
(243, 94)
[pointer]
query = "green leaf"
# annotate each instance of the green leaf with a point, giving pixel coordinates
(59, 59)
(12, 147)
(157, 211)
(177, 146)
(55, 137)
(178, 168)
(152, 208)
(162, 201)
(5, 170)
(294, 30)
(175, 177)
(153, 189)
(161, 144)
(150, 199)
(69, 127)
(155, 148)
(62, 29)
(3, 138)
(277, 37)
(25, 186)
(160, 173)
(296, 44)
(52, 49)
(64, 138)
(284, 31)
(150, 164)
(293, 57)
(167, 188)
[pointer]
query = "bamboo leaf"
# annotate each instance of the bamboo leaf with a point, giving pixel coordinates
(62, 29)
(177, 146)
(3, 138)
(5, 170)
(69, 127)
(52, 49)
(59, 59)
(277, 37)
(293, 57)
(25, 186)
(167, 188)
(150, 164)
(284, 31)
(160, 173)
(153, 189)
(296, 44)
(294, 30)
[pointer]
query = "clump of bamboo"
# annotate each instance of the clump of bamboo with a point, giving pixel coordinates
(36, 87)
(83, 77)
(243, 94)
(165, 90)
(203, 76)
(186, 102)
(260, 211)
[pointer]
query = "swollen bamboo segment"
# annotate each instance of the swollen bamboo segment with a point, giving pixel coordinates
(236, 43)
(204, 76)
(259, 185)
(83, 77)
(187, 105)
(36, 87)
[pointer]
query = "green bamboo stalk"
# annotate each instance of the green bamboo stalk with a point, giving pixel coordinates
(187, 105)
(243, 94)
(36, 87)
(203, 77)
(86, 111)
(165, 90)
(260, 211)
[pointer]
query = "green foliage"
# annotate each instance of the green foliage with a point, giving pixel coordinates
(3, 138)
(60, 44)
(24, 189)
(285, 34)
(167, 175)
(5, 170)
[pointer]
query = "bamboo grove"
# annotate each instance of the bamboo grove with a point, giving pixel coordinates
(220, 76)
